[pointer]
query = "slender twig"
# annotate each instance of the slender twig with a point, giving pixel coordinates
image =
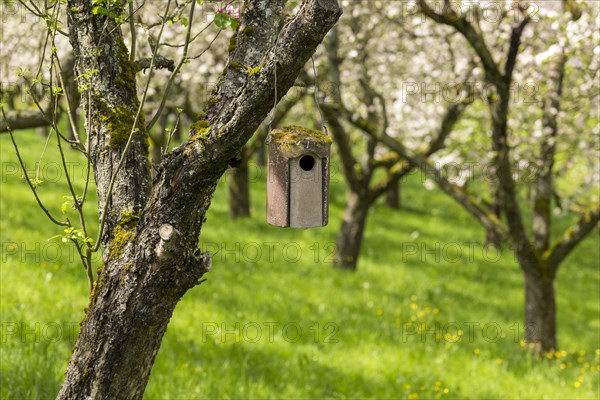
(208, 47)
(68, 102)
(173, 130)
(133, 33)
(21, 162)
(175, 71)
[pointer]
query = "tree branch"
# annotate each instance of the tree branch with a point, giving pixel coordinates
(574, 235)
(513, 51)
(25, 119)
(245, 99)
(475, 38)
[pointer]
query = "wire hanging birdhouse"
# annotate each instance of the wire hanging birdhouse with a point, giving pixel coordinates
(298, 178)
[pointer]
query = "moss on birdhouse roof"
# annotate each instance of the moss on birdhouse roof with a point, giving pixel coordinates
(293, 141)
(295, 134)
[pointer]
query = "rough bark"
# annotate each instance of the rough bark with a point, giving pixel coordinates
(98, 45)
(150, 257)
(350, 235)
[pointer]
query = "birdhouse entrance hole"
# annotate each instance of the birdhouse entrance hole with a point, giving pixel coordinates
(307, 163)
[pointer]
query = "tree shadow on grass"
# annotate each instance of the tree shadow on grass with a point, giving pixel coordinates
(279, 371)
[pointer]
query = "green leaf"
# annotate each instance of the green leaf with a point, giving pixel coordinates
(222, 21)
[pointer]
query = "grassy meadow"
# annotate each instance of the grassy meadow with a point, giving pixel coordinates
(429, 314)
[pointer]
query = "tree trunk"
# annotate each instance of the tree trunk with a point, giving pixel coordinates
(540, 311)
(261, 156)
(350, 236)
(492, 238)
(153, 226)
(239, 192)
(392, 196)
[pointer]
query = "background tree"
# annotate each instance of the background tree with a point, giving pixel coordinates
(539, 258)
(358, 109)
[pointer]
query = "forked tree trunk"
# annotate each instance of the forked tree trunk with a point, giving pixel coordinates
(392, 196)
(540, 311)
(350, 235)
(153, 226)
(239, 192)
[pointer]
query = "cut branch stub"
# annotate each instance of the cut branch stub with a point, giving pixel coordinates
(298, 178)
(166, 232)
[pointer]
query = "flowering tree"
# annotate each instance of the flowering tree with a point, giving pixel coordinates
(364, 56)
(150, 227)
(538, 256)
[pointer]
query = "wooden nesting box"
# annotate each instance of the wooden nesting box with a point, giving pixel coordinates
(298, 178)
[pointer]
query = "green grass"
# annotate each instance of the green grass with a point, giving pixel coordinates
(356, 337)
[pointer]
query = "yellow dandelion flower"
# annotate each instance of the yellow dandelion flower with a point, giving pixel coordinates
(577, 384)
(563, 365)
(413, 297)
(477, 352)
(446, 390)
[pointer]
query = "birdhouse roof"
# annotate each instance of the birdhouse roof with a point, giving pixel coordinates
(294, 141)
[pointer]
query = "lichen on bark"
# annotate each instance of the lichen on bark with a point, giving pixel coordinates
(119, 121)
(124, 233)
(200, 129)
